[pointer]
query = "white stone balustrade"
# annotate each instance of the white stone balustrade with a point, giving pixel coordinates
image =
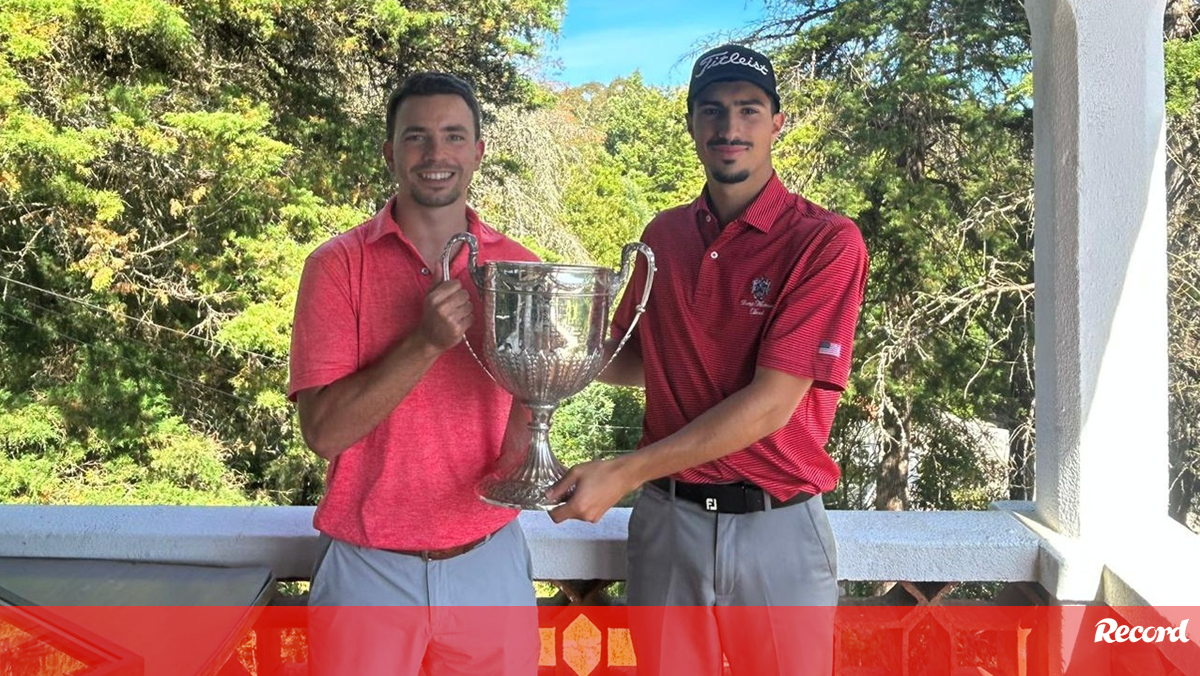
(912, 546)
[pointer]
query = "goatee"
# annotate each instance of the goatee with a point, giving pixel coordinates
(730, 177)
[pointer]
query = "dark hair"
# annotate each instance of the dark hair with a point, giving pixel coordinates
(431, 84)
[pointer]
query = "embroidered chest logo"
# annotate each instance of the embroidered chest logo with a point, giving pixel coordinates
(759, 288)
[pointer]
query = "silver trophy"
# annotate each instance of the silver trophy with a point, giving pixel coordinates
(544, 327)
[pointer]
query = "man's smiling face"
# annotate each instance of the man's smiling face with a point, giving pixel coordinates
(433, 152)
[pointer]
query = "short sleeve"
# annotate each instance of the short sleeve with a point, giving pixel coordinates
(324, 330)
(811, 332)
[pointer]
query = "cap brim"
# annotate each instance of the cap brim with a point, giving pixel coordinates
(693, 92)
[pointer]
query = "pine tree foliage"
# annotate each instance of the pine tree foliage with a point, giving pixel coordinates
(165, 167)
(914, 119)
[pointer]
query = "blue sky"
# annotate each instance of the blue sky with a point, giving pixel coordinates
(604, 39)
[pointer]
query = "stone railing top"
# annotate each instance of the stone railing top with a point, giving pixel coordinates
(914, 546)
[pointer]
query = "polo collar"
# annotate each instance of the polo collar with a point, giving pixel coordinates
(761, 212)
(382, 223)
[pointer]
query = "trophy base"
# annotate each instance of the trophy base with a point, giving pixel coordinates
(517, 494)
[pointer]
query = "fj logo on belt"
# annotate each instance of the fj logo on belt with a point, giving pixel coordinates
(710, 504)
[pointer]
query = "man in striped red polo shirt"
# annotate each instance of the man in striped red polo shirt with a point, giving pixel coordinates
(744, 350)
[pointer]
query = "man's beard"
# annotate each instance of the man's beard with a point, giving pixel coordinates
(431, 200)
(722, 176)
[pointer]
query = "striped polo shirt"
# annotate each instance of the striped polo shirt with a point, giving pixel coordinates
(779, 287)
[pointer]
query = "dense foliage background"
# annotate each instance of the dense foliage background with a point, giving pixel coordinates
(166, 166)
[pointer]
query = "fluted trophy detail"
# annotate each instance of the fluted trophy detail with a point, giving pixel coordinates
(544, 327)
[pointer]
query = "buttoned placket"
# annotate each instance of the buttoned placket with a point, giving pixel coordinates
(420, 272)
(423, 274)
(710, 272)
(703, 289)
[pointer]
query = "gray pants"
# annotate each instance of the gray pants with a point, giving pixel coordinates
(760, 587)
(374, 612)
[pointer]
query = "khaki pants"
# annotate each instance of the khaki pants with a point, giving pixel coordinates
(378, 613)
(760, 588)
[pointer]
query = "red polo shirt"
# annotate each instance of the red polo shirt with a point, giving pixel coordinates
(779, 287)
(410, 483)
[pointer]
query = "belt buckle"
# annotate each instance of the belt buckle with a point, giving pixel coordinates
(754, 498)
(428, 555)
(741, 503)
(734, 499)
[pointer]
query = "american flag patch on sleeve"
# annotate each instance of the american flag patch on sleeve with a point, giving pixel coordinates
(829, 349)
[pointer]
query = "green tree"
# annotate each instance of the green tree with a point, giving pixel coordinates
(164, 170)
(579, 177)
(913, 118)
(1183, 260)
(645, 130)
(600, 421)
(520, 187)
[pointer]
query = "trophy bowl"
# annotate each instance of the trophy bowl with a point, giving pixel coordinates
(544, 328)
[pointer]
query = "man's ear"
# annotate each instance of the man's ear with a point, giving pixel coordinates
(387, 155)
(777, 121)
(479, 148)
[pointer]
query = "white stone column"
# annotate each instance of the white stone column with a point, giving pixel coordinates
(1101, 270)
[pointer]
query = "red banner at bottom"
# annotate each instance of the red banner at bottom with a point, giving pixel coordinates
(596, 640)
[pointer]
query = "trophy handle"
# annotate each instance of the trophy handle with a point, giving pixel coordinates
(476, 274)
(632, 249)
(473, 268)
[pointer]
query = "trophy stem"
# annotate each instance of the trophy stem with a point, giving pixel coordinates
(539, 456)
(525, 486)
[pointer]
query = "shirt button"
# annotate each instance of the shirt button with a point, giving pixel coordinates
(713, 255)
(708, 218)
(425, 271)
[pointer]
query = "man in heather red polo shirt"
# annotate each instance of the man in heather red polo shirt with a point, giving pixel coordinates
(744, 350)
(410, 422)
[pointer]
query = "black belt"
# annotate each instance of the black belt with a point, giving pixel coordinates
(739, 498)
